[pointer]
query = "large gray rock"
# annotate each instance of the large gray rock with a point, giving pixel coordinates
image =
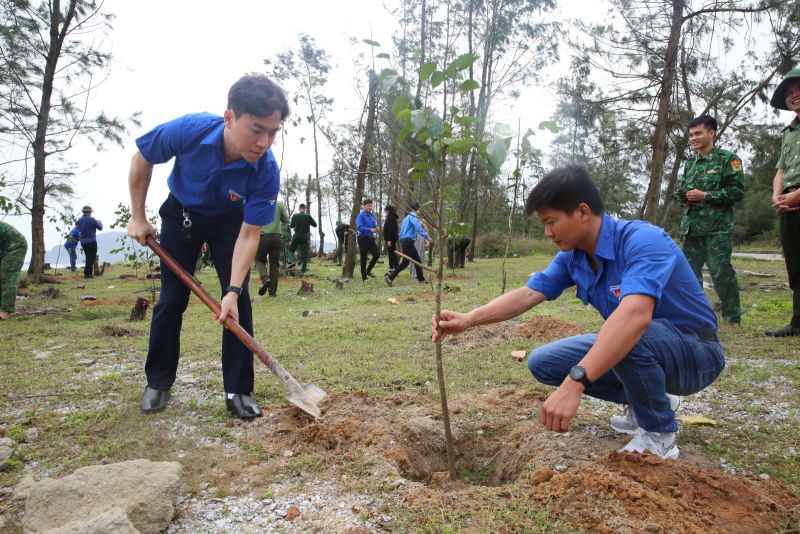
(102, 498)
(6, 450)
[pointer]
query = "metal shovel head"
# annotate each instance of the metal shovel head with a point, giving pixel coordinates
(307, 398)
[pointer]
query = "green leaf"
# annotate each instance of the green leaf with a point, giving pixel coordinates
(437, 78)
(383, 55)
(400, 103)
(426, 70)
(466, 121)
(461, 146)
(416, 176)
(549, 125)
(402, 134)
(463, 61)
(434, 126)
(421, 166)
(469, 85)
(503, 130)
(526, 145)
(371, 42)
(496, 152)
(418, 120)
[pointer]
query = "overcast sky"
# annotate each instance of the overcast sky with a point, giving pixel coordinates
(173, 57)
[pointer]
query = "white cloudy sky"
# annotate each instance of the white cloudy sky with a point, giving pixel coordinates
(173, 57)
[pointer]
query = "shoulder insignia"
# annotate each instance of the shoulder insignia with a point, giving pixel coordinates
(736, 165)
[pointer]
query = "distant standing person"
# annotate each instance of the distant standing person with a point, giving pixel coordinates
(419, 244)
(71, 243)
(88, 227)
(786, 193)
(270, 246)
(391, 234)
(367, 226)
(342, 235)
(223, 187)
(712, 183)
(409, 230)
(12, 255)
(301, 224)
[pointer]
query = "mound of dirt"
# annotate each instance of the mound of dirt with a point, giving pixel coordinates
(504, 455)
(482, 336)
(547, 328)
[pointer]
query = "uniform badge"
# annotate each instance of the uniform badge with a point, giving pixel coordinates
(736, 165)
(615, 290)
(235, 197)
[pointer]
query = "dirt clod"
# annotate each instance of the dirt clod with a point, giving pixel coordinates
(547, 328)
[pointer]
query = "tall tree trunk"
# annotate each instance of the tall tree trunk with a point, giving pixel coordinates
(659, 142)
(423, 36)
(358, 192)
(58, 31)
(321, 250)
(680, 147)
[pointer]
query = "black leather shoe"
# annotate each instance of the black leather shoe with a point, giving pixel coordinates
(243, 406)
(263, 288)
(154, 400)
(786, 331)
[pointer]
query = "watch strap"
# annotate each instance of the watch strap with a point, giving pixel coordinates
(233, 289)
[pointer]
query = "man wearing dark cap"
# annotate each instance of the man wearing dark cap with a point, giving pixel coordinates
(785, 194)
(88, 227)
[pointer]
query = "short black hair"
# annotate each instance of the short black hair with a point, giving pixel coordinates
(414, 206)
(564, 189)
(257, 95)
(302, 206)
(367, 201)
(706, 120)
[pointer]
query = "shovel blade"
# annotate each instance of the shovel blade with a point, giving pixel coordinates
(307, 398)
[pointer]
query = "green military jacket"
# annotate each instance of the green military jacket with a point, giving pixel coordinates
(281, 217)
(790, 155)
(9, 234)
(302, 223)
(720, 175)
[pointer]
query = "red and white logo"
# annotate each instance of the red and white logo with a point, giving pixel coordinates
(615, 290)
(235, 197)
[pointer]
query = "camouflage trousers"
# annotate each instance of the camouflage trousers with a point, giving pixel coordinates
(715, 251)
(12, 256)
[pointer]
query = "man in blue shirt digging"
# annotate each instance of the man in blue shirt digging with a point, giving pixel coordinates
(223, 187)
(659, 338)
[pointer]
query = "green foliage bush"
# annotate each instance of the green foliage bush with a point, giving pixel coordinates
(493, 245)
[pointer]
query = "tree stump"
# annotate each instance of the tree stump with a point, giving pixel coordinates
(306, 288)
(339, 284)
(97, 268)
(51, 292)
(139, 310)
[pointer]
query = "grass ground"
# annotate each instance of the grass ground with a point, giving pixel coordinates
(76, 374)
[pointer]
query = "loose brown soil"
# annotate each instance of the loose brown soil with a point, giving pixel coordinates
(547, 328)
(505, 456)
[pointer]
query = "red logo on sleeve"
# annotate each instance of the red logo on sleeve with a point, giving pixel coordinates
(615, 290)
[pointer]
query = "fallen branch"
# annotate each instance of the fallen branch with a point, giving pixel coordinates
(415, 262)
(759, 275)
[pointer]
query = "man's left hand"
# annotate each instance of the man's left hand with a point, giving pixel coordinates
(695, 195)
(561, 406)
(229, 307)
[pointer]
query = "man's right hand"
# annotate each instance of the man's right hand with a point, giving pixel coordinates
(450, 323)
(139, 229)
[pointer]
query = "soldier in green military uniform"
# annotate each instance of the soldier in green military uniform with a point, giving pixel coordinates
(12, 255)
(786, 193)
(301, 224)
(712, 183)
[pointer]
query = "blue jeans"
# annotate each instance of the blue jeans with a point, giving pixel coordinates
(665, 360)
(73, 257)
(165, 329)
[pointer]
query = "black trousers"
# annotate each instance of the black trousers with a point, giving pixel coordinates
(90, 251)
(367, 245)
(408, 248)
(790, 240)
(392, 256)
(165, 329)
(269, 248)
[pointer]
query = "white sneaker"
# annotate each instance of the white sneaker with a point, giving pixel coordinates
(661, 444)
(626, 423)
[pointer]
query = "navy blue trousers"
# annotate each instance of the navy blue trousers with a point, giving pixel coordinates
(165, 329)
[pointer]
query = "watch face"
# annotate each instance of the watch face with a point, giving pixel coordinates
(577, 373)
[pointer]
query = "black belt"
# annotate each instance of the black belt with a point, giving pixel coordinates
(705, 334)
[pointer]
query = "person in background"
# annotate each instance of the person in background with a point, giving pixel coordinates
(301, 224)
(12, 255)
(342, 235)
(88, 227)
(419, 244)
(786, 194)
(391, 234)
(712, 183)
(286, 241)
(270, 246)
(71, 243)
(367, 226)
(409, 230)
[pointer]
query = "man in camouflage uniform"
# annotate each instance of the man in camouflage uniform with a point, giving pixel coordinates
(786, 194)
(712, 183)
(12, 254)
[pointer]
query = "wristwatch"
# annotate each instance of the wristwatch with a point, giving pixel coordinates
(578, 374)
(233, 289)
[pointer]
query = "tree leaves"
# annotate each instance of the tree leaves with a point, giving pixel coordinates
(469, 85)
(371, 42)
(426, 70)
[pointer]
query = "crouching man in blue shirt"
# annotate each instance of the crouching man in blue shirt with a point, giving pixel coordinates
(659, 335)
(223, 187)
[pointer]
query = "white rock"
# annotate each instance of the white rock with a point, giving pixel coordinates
(288, 454)
(32, 435)
(763, 476)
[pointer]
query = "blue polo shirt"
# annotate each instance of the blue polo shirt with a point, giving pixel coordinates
(365, 222)
(200, 178)
(88, 227)
(411, 227)
(634, 257)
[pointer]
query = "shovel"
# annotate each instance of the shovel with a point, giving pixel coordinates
(307, 397)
